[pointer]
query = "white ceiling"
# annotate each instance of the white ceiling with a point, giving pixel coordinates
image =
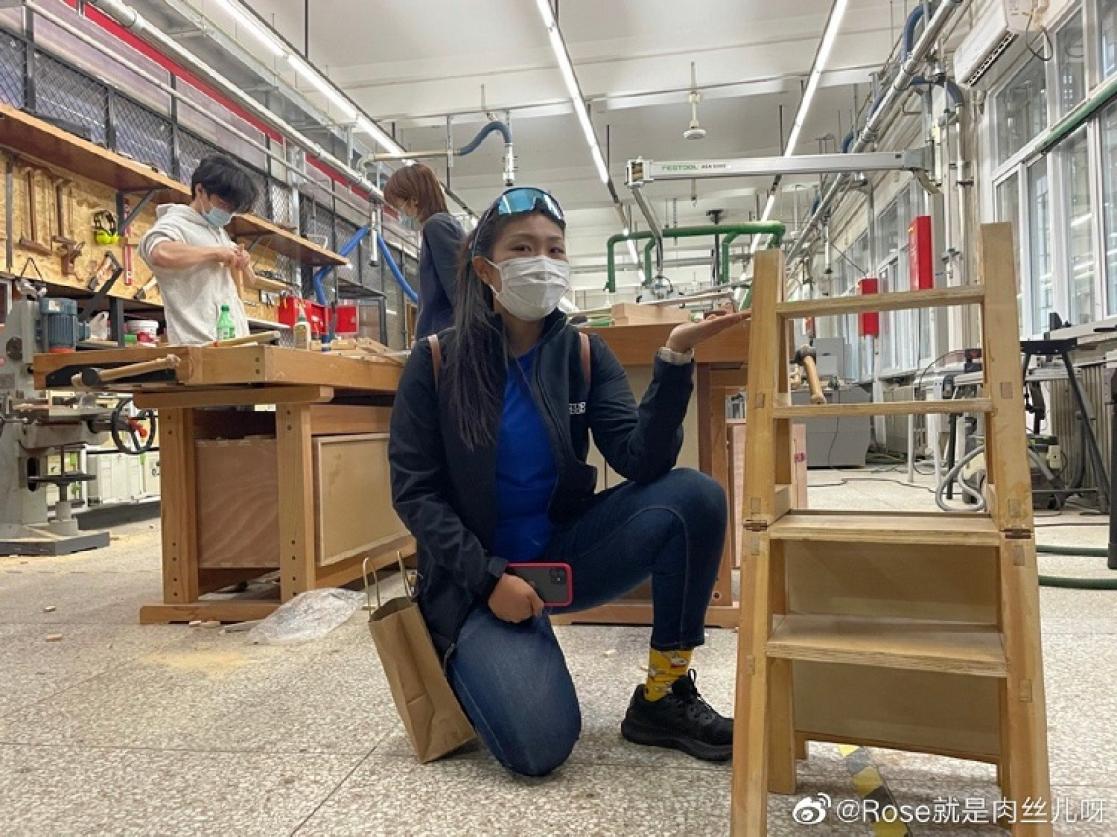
(409, 64)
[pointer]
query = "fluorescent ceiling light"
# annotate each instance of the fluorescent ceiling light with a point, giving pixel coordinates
(250, 22)
(566, 68)
(381, 136)
(823, 55)
(323, 85)
(829, 36)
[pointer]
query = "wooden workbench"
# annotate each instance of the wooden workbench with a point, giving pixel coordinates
(302, 489)
(721, 370)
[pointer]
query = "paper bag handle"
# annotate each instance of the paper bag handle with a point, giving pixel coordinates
(407, 589)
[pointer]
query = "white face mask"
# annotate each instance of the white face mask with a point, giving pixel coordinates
(531, 287)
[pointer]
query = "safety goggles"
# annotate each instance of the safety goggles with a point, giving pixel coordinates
(519, 200)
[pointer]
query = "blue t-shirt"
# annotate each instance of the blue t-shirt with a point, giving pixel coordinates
(525, 471)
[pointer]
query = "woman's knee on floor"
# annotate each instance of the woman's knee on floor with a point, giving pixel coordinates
(542, 741)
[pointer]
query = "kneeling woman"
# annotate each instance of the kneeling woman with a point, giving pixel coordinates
(489, 436)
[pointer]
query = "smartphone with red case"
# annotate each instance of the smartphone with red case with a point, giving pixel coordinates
(553, 583)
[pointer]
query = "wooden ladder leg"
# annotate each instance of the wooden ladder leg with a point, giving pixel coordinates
(1025, 771)
(781, 715)
(750, 730)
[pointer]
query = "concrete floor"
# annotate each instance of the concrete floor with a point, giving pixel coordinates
(127, 729)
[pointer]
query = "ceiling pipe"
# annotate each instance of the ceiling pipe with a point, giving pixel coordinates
(654, 227)
(131, 19)
(879, 112)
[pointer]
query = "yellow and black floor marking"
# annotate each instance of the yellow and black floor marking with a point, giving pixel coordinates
(869, 785)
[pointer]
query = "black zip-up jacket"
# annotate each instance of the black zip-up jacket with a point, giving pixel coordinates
(446, 493)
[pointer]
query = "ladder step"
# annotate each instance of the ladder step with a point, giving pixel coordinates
(920, 645)
(904, 300)
(932, 528)
(885, 408)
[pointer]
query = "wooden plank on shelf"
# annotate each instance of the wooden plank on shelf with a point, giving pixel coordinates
(234, 397)
(901, 301)
(955, 406)
(910, 644)
(28, 135)
(880, 527)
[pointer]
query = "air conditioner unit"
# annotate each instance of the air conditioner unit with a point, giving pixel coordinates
(996, 39)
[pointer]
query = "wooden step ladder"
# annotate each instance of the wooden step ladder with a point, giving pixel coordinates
(910, 631)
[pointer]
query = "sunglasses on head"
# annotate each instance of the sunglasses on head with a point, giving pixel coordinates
(517, 201)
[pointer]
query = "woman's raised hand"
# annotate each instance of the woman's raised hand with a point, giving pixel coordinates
(686, 336)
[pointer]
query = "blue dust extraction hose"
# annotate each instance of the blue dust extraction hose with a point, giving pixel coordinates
(408, 291)
(472, 145)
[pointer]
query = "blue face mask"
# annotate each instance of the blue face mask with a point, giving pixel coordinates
(217, 216)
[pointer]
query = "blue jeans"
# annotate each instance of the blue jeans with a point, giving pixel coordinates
(512, 679)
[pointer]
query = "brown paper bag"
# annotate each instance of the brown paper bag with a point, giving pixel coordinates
(430, 712)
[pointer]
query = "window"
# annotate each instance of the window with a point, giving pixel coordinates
(1039, 246)
(1021, 108)
(1070, 64)
(1074, 163)
(1107, 36)
(1109, 187)
(1008, 209)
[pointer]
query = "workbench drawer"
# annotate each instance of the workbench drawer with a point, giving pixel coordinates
(352, 496)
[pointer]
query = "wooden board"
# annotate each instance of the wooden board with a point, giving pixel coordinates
(887, 528)
(908, 644)
(636, 345)
(956, 406)
(922, 711)
(917, 582)
(352, 497)
(238, 519)
(632, 313)
(902, 301)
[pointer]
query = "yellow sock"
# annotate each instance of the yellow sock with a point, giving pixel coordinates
(664, 668)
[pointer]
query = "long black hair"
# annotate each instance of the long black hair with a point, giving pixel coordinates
(473, 384)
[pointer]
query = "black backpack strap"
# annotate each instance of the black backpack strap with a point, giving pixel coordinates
(436, 357)
(587, 360)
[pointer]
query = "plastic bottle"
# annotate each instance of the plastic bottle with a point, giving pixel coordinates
(301, 330)
(225, 328)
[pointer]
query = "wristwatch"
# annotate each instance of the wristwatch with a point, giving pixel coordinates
(677, 358)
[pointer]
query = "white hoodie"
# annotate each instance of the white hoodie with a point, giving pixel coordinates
(192, 298)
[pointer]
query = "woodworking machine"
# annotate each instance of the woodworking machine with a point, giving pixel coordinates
(34, 423)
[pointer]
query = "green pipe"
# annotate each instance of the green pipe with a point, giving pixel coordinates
(773, 228)
(1077, 117)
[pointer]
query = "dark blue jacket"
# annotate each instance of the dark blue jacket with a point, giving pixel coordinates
(446, 493)
(438, 273)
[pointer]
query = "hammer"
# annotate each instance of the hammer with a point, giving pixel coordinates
(805, 357)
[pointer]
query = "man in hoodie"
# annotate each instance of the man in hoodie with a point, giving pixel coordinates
(198, 266)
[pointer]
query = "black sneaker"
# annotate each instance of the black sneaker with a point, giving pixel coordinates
(681, 720)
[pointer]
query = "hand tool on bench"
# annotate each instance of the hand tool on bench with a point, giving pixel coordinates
(33, 242)
(247, 340)
(71, 247)
(91, 377)
(805, 357)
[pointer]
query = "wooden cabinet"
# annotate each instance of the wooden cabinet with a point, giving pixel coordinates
(238, 500)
